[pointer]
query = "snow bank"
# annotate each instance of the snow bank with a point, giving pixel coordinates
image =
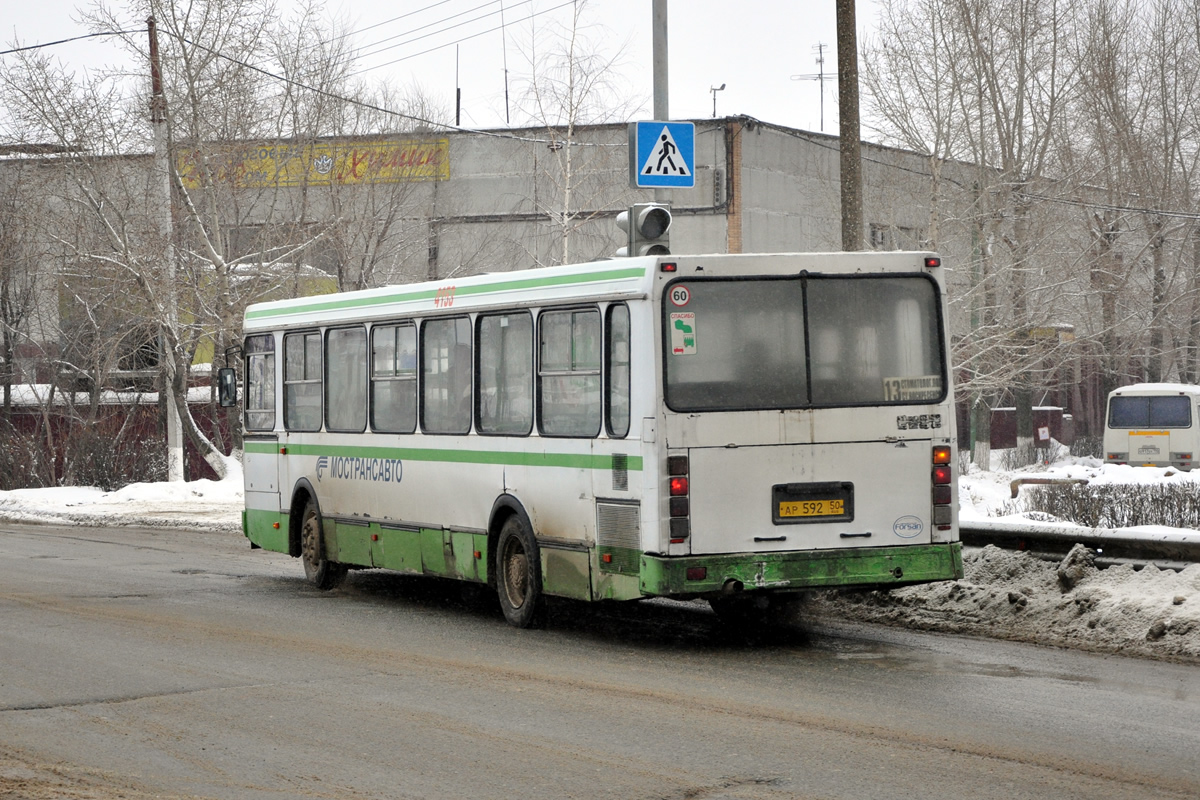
(1069, 603)
(1014, 595)
(199, 505)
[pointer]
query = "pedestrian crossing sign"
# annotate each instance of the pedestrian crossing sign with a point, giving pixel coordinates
(662, 155)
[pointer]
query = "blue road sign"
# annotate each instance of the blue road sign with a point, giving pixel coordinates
(662, 155)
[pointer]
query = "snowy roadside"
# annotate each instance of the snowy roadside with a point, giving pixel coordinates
(1070, 603)
(197, 505)
(1149, 612)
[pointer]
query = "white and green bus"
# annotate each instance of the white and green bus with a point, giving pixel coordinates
(736, 428)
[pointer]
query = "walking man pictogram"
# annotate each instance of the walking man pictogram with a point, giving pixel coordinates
(667, 149)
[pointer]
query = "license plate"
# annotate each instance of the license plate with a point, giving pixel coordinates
(813, 508)
(824, 501)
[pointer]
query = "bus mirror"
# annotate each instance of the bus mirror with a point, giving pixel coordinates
(227, 387)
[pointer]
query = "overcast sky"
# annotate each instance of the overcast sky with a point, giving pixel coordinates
(753, 47)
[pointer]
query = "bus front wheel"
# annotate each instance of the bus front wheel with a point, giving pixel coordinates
(323, 573)
(518, 574)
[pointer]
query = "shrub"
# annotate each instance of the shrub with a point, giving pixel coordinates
(23, 462)
(1175, 505)
(1088, 446)
(107, 456)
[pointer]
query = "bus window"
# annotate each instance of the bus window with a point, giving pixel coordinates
(260, 383)
(875, 341)
(569, 372)
(617, 350)
(446, 375)
(394, 378)
(738, 345)
(505, 397)
(302, 381)
(346, 383)
(1161, 411)
(742, 345)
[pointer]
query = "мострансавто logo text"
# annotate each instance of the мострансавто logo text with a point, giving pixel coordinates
(387, 470)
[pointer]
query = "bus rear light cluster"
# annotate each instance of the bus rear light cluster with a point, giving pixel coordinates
(943, 475)
(680, 507)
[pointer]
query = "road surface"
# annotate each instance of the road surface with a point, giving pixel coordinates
(138, 663)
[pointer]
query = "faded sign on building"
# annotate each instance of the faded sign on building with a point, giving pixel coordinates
(320, 163)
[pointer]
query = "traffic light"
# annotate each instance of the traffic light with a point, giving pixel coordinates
(646, 226)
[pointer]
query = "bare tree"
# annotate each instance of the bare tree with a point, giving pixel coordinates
(573, 82)
(239, 82)
(1135, 143)
(994, 98)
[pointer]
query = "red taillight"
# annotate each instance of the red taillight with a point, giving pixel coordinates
(943, 492)
(697, 573)
(680, 525)
(931, 262)
(667, 266)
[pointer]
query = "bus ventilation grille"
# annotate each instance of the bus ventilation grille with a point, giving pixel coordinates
(620, 472)
(618, 534)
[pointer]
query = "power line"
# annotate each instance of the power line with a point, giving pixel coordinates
(350, 33)
(460, 41)
(381, 109)
(359, 52)
(65, 41)
(430, 25)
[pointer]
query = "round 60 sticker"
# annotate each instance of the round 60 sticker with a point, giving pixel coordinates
(680, 295)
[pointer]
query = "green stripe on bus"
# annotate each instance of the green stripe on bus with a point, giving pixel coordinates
(447, 456)
(267, 529)
(343, 304)
(871, 567)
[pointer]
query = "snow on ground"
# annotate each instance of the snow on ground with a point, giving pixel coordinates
(1005, 594)
(1069, 603)
(199, 505)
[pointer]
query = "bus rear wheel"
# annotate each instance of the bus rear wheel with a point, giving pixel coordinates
(518, 574)
(320, 571)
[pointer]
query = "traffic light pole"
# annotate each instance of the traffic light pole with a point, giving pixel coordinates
(661, 105)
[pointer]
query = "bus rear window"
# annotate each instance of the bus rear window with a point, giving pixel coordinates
(1150, 412)
(774, 343)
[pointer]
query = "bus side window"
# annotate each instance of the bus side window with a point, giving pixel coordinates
(394, 378)
(260, 382)
(505, 373)
(346, 383)
(446, 375)
(569, 372)
(302, 381)
(617, 354)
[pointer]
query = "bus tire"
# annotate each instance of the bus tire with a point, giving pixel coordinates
(518, 574)
(320, 571)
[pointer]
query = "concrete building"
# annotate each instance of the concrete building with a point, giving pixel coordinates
(513, 199)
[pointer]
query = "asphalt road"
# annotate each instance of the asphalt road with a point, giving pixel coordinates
(139, 664)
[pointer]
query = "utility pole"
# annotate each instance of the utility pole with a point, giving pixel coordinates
(162, 204)
(851, 148)
(661, 105)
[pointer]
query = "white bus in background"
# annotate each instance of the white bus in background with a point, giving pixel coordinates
(738, 428)
(1153, 425)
